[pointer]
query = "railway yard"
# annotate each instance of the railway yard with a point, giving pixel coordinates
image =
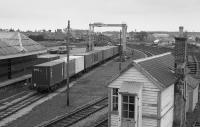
(86, 84)
(21, 104)
(73, 63)
(33, 93)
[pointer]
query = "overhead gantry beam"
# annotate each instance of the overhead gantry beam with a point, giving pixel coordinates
(91, 31)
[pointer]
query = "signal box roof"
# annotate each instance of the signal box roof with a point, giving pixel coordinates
(159, 67)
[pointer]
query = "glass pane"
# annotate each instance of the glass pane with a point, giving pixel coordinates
(131, 99)
(125, 99)
(131, 107)
(131, 114)
(115, 91)
(125, 114)
(125, 107)
(115, 99)
(115, 107)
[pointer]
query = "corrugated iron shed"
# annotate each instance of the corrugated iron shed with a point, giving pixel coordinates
(11, 44)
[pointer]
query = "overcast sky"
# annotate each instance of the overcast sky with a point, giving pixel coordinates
(148, 15)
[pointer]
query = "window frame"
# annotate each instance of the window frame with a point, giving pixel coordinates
(128, 109)
(112, 100)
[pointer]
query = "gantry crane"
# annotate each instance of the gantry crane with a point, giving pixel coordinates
(91, 31)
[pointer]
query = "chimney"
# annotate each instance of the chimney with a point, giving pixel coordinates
(180, 55)
(180, 31)
(180, 49)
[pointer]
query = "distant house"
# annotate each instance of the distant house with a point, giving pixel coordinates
(163, 39)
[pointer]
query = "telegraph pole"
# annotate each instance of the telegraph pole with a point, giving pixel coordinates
(67, 46)
(120, 51)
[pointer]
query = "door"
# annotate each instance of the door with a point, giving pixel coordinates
(128, 111)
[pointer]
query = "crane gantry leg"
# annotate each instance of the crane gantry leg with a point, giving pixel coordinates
(90, 45)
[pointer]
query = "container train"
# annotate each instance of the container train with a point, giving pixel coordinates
(48, 75)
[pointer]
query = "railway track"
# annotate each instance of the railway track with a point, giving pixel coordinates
(148, 53)
(102, 123)
(77, 115)
(13, 108)
(196, 124)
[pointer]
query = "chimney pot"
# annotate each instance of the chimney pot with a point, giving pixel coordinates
(181, 31)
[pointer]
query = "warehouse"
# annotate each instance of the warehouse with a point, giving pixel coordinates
(17, 54)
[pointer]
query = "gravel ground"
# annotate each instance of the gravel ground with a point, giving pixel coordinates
(86, 89)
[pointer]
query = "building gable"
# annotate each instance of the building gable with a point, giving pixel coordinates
(158, 68)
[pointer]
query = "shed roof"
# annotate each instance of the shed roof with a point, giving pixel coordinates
(158, 67)
(11, 44)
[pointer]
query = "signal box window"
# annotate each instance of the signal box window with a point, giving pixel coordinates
(128, 106)
(115, 99)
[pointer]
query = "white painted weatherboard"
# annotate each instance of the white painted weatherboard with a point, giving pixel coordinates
(79, 63)
(114, 120)
(167, 99)
(167, 119)
(148, 122)
(195, 97)
(149, 94)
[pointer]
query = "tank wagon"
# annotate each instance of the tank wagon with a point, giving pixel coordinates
(47, 76)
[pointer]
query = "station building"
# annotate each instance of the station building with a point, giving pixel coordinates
(17, 54)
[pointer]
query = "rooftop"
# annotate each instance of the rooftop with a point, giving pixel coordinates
(159, 67)
(15, 44)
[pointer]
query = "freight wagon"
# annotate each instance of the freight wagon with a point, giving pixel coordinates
(79, 63)
(88, 59)
(46, 58)
(71, 67)
(47, 76)
(91, 58)
(108, 51)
